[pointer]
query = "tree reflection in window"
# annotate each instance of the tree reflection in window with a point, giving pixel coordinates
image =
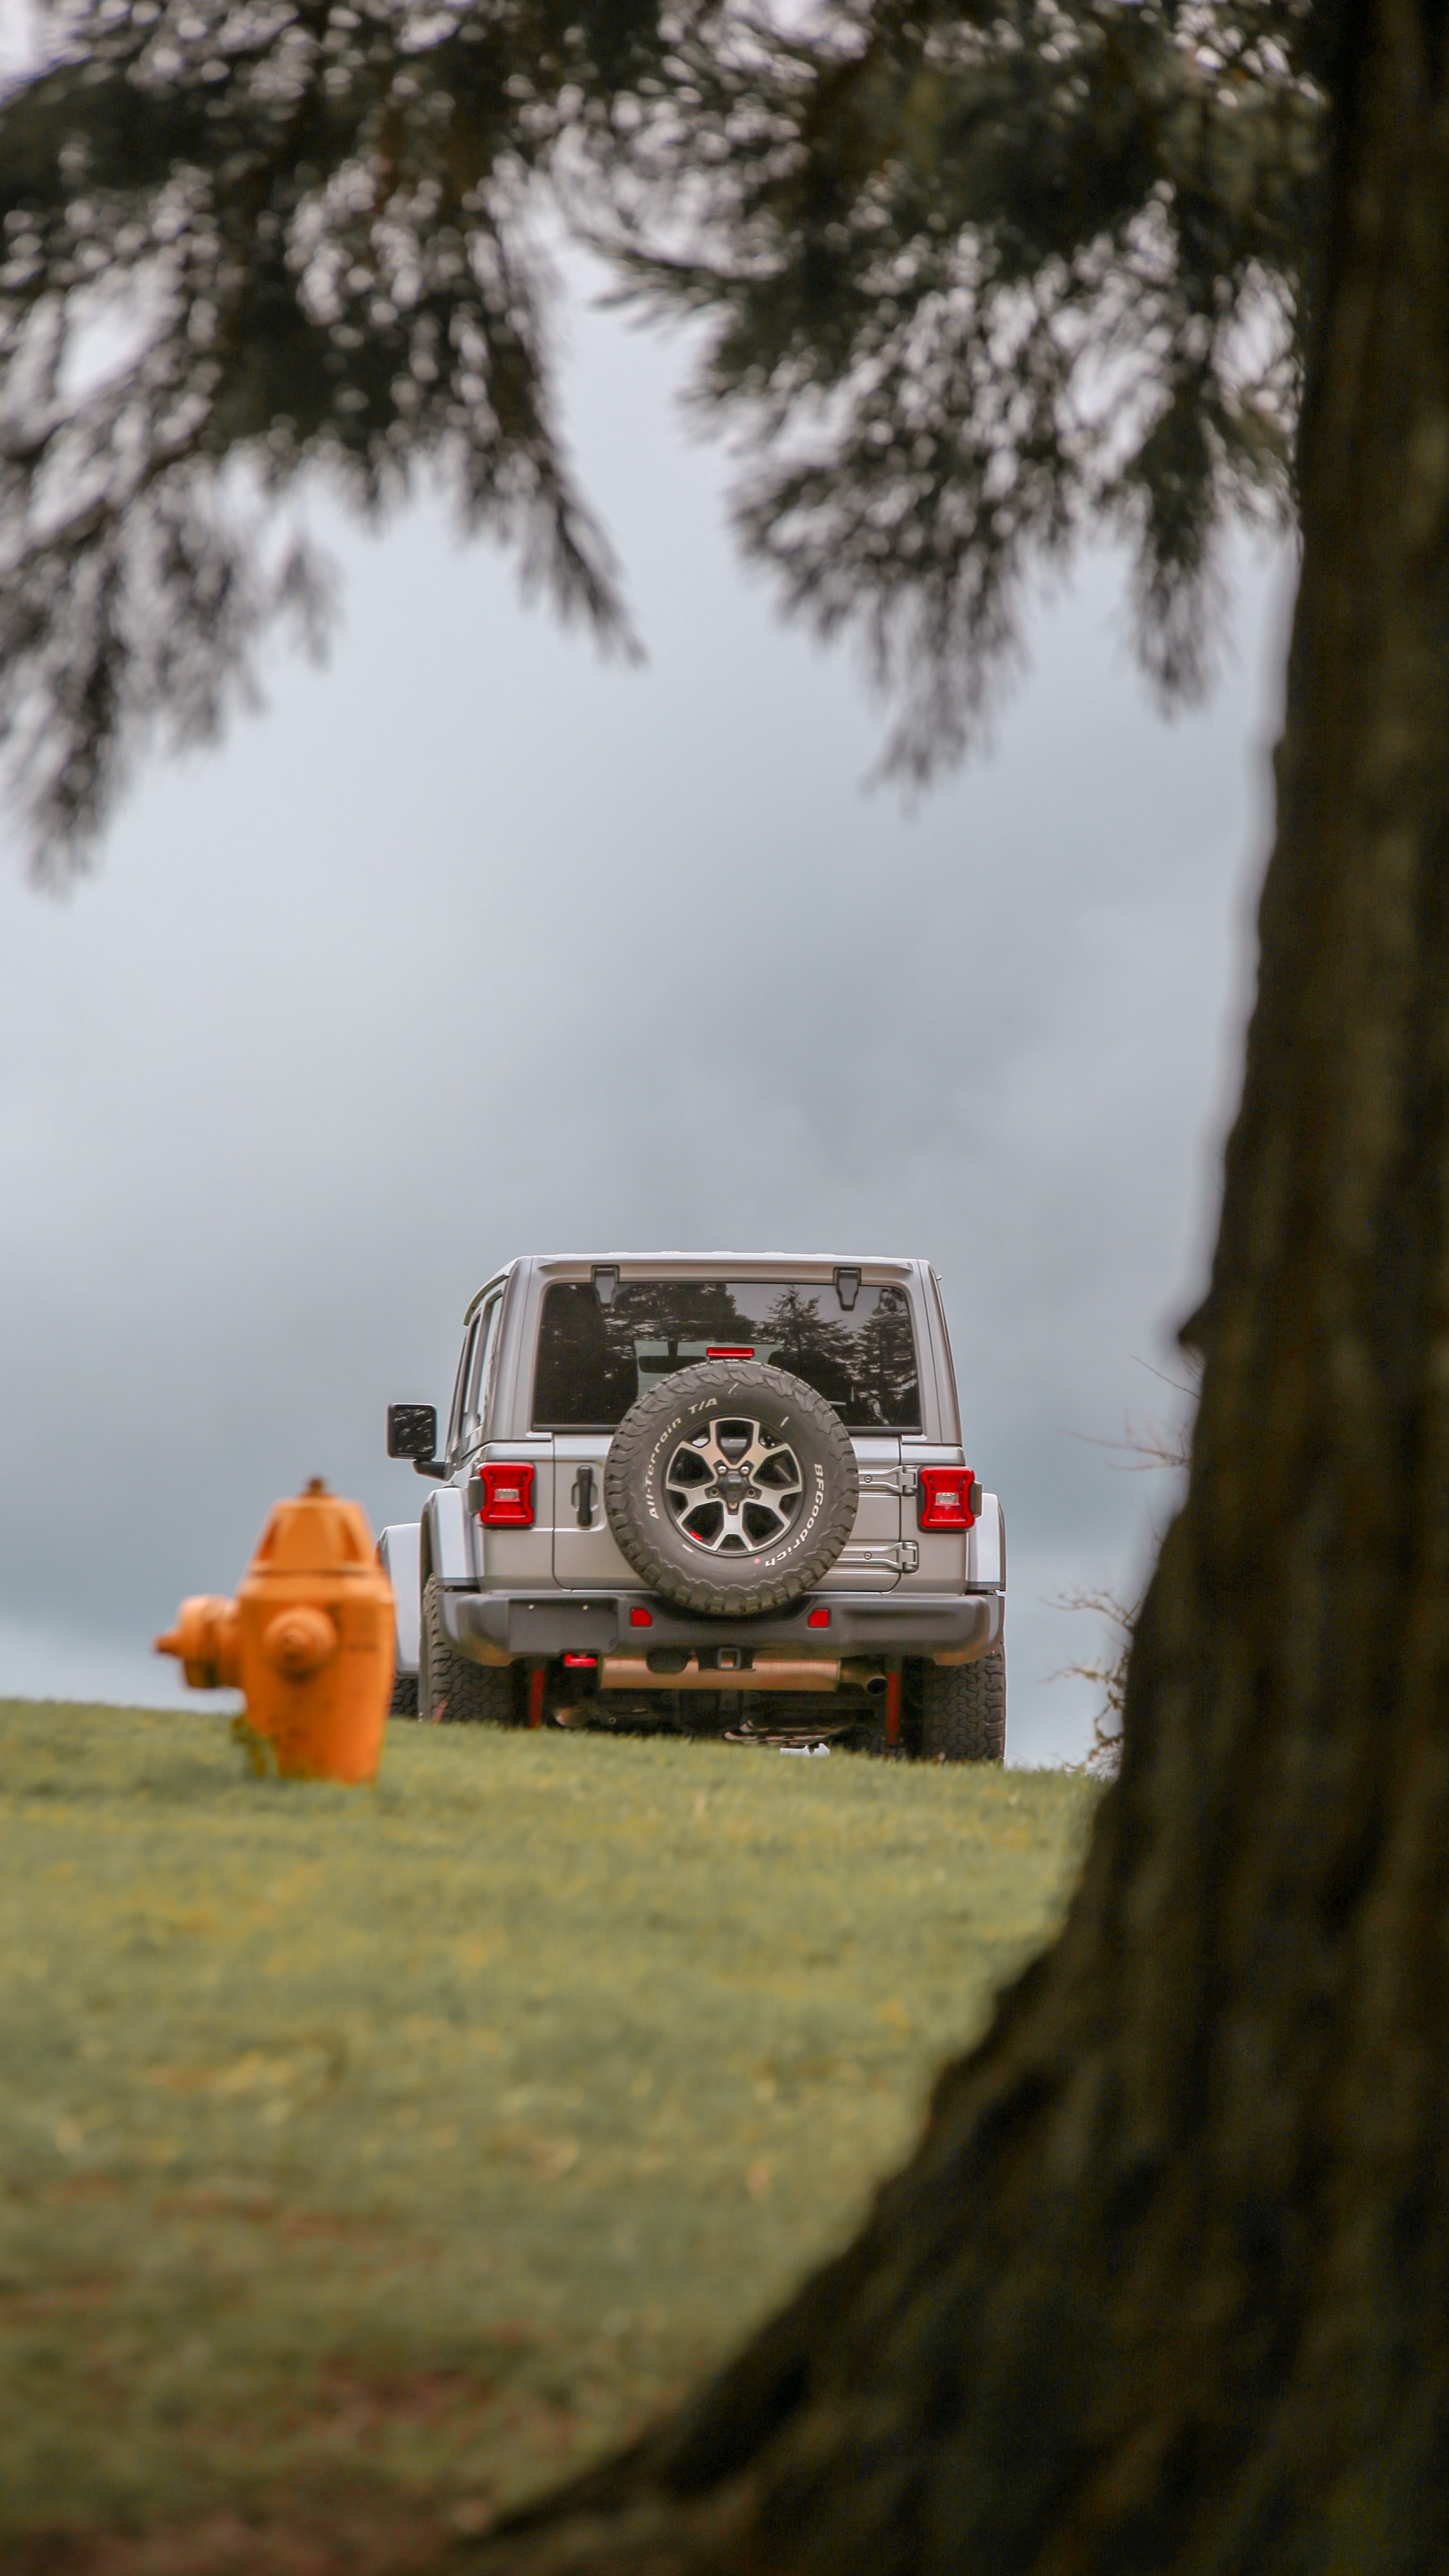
(594, 1360)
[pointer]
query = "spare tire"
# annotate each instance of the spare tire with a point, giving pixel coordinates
(732, 1487)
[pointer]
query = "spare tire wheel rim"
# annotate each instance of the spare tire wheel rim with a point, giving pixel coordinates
(731, 1489)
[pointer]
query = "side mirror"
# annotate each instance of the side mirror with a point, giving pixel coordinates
(412, 1431)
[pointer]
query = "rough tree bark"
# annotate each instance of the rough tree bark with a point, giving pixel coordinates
(1166, 2285)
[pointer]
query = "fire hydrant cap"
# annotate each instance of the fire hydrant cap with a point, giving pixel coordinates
(314, 1533)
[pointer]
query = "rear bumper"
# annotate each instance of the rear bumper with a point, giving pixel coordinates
(946, 1628)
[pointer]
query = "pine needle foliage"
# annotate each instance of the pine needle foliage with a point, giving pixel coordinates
(974, 283)
(981, 280)
(241, 243)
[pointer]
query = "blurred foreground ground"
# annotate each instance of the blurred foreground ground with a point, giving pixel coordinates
(368, 2158)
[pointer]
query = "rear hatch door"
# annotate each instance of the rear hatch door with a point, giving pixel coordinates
(871, 1558)
(603, 1342)
(586, 1554)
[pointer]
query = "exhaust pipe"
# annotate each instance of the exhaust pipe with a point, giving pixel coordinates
(764, 1673)
(861, 1674)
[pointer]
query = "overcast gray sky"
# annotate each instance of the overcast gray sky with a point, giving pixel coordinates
(420, 971)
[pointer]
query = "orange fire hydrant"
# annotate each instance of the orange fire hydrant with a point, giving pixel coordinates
(310, 1638)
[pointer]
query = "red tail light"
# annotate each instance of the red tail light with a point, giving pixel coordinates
(507, 1495)
(730, 1351)
(947, 1498)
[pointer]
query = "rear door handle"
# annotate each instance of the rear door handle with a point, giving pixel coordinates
(583, 1496)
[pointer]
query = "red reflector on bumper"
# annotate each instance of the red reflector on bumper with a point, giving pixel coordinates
(818, 1619)
(641, 1618)
(581, 1663)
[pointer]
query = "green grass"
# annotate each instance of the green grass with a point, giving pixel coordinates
(416, 2141)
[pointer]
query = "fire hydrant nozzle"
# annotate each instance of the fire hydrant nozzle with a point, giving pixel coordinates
(309, 1638)
(206, 1639)
(298, 1642)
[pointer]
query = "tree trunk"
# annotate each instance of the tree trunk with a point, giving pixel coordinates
(1166, 2284)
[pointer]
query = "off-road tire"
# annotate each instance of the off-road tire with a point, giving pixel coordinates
(404, 1701)
(869, 1736)
(963, 1710)
(663, 1556)
(452, 1691)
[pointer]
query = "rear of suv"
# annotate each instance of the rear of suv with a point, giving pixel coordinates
(724, 1494)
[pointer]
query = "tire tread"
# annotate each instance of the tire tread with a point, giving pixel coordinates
(451, 1690)
(963, 1710)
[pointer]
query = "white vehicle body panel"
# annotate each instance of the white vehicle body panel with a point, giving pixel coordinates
(397, 1554)
(446, 1550)
(987, 1559)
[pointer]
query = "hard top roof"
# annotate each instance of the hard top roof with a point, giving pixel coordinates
(693, 1265)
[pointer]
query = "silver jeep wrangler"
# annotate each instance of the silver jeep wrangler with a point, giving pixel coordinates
(725, 1495)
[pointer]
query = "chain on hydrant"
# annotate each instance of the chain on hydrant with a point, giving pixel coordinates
(310, 1639)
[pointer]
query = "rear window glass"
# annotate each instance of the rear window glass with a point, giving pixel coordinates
(594, 1360)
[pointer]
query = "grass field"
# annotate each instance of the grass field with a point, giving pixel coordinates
(381, 2153)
